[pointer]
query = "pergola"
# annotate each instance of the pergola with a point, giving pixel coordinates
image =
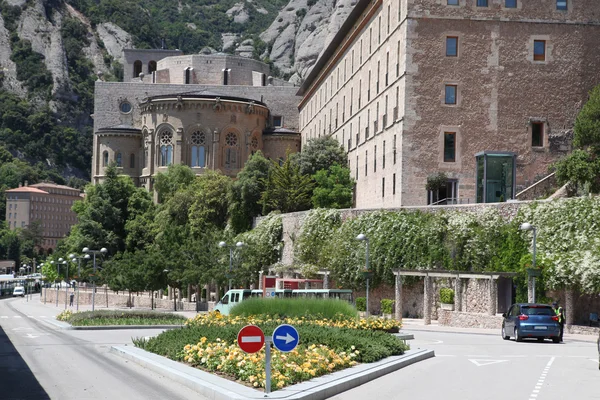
(428, 275)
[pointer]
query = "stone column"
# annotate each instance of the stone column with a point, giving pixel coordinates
(170, 292)
(569, 307)
(493, 296)
(398, 297)
(326, 280)
(427, 301)
(529, 289)
(458, 294)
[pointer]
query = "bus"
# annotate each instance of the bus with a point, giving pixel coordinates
(236, 296)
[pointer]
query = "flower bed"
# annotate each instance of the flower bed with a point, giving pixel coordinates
(117, 317)
(209, 342)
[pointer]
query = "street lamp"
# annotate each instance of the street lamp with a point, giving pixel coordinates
(65, 263)
(532, 272)
(361, 238)
(57, 277)
(74, 258)
(239, 245)
(94, 252)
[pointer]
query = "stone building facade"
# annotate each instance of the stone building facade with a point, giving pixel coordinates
(207, 111)
(46, 202)
(483, 91)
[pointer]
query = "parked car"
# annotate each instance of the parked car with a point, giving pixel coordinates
(527, 320)
(19, 291)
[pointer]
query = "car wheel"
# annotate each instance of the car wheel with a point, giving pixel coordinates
(518, 337)
(504, 335)
(555, 340)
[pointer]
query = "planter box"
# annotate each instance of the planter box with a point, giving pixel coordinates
(447, 307)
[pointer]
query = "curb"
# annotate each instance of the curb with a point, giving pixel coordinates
(215, 387)
(117, 327)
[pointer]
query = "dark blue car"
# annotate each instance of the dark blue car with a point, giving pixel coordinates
(527, 320)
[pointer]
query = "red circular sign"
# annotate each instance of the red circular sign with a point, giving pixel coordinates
(251, 338)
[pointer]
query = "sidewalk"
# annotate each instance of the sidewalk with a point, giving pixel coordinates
(411, 324)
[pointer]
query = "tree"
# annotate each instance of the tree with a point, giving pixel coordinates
(334, 188)
(178, 176)
(286, 189)
(582, 167)
(321, 153)
(245, 193)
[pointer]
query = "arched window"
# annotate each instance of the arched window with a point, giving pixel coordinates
(151, 67)
(119, 160)
(132, 161)
(166, 148)
(198, 149)
(231, 151)
(137, 69)
(105, 159)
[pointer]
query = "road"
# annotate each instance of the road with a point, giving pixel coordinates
(44, 362)
(48, 363)
(485, 367)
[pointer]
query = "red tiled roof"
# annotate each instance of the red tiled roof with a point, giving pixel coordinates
(27, 189)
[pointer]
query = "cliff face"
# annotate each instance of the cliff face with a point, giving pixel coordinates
(294, 40)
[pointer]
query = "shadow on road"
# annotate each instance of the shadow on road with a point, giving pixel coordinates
(18, 382)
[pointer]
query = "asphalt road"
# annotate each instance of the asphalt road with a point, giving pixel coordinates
(485, 367)
(42, 362)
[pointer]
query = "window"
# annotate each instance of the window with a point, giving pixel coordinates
(119, 160)
(539, 50)
(166, 149)
(510, 3)
(231, 150)
(375, 160)
(452, 2)
(125, 107)
(449, 146)
(226, 77)
(105, 159)
(394, 184)
(482, 3)
(366, 162)
(394, 149)
(450, 94)
(537, 134)
(198, 149)
(188, 76)
(382, 187)
(277, 121)
(561, 5)
(132, 161)
(137, 68)
(383, 158)
(451, 46)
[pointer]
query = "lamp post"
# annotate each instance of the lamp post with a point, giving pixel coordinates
(239, 245)
(65, 263)
(74, 258)
(45, 289)
(361, 238)
(57, 278)
(532, 273)
(94, 252)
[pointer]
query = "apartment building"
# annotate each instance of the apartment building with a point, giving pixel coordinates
(483, 91)
(46, 202)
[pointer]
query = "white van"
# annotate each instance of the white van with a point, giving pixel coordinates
(230, 299)
(19, 291)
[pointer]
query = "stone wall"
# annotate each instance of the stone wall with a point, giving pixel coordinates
(584, 304)
(469, 320)
(110, 299)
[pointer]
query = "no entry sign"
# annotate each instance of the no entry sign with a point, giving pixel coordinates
(251, 338)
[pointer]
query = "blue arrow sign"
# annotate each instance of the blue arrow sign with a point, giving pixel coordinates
(285, 338)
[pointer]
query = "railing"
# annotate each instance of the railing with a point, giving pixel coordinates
(452, 201)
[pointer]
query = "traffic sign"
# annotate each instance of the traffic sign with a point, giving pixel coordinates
(251, 338)
(270, 293)
(285, 338)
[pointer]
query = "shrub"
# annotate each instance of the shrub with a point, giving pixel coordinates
(296, 307)
(386, 306)
(118, 317)
(447, 296)
(361, 304)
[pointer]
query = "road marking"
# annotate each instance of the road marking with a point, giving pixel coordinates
(4, 316)
(538, 386)
(17, 316)
(22, 328)
(483, 363)
(251, 339)
(445, 355)
(32, 336)
(593, 359)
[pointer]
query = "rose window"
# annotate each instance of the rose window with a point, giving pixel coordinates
(231, 139)
(166, 138)
(198, 138)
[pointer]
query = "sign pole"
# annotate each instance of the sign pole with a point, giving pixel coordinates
(268, 340)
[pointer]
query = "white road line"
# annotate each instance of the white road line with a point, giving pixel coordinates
(538, 386)
(3, 316)
(17, 316)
